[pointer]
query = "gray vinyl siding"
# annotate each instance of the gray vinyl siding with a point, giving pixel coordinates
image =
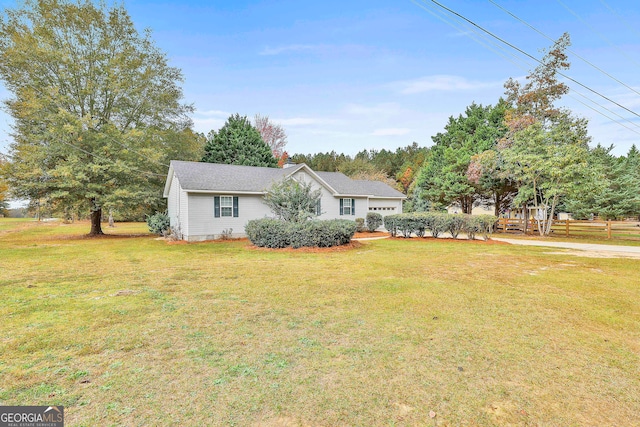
(177, 207)
(205, 226)
(330, 204)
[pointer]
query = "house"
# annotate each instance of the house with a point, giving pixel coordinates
(207, 200)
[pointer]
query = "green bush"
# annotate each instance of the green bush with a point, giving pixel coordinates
(273, 233)
(455, 224)
(374, 221)
(158, 223)
(488, 223)
(472, 226)
(390, 223)
(359, 225)
(268, 233)
(437, 223)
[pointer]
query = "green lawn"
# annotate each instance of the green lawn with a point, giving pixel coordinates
(134, 331)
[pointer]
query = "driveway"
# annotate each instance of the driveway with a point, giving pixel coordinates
(589, 249)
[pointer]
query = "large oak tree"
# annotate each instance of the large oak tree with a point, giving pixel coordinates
(97, 110)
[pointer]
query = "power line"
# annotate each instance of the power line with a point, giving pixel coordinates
(533, 57)
(569, 50)
(629, 26)
(512, 58)
(602, 37)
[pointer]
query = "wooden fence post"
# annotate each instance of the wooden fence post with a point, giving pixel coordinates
(608, 229)
(566, 222)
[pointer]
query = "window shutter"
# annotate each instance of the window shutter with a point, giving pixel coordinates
(235, 207)
(353, 206)
(319, 207)
(216, 206)
(341, 206)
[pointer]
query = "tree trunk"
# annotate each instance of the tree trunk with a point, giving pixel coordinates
(96, 216)
(498, 204)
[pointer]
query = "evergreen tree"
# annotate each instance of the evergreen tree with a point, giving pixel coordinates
(238, 143)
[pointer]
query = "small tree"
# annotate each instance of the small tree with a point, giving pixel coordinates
(238, 143)
(272, 133)
(293, 201)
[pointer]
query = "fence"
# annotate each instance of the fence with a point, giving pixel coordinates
(594, 228)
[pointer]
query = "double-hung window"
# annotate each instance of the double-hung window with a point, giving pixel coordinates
(347, 207)
(226, 206)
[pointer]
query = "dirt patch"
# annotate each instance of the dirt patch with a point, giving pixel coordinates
(370, 235)
(597, 254)
(450, 240)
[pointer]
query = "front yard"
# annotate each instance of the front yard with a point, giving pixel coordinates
(134, 331)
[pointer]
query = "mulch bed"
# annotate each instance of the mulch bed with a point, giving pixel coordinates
(450, 240)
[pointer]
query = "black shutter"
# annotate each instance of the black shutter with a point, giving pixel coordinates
(341, 206)
(216, 206)
(235, 207)
(353, 206)
(319, 208)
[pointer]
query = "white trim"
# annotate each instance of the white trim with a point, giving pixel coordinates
(254, 193)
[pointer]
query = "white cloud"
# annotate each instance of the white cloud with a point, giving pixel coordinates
(390, 132)
(441, 82)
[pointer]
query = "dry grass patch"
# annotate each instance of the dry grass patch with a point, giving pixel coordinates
(134, 331)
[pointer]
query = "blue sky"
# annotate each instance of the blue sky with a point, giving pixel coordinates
(354, 75)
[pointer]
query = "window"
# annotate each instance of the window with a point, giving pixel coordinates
(347, 206)
(319, 207)
(226, 206)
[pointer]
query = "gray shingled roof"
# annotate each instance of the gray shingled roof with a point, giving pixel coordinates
(345, 185)
(219, 177)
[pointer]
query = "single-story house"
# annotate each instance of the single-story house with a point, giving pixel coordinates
(208, 200)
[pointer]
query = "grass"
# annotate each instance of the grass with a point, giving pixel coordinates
(135, 331)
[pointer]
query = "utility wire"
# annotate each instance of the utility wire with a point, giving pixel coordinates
(598, 33)
(514, 60)
(612, 10)
(533, 57)
(569, 50)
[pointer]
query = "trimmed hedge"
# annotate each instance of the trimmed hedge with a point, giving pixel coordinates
(374, 220)
(274, 233)
(436, 223)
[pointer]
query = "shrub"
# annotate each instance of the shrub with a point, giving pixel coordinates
(158, 223)
(437, 223)
(374, 221)
(390, 223)
(273, 233)
(359, 225)
(472, 226)
(268, 233)
(488, 223)
(455, 224)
